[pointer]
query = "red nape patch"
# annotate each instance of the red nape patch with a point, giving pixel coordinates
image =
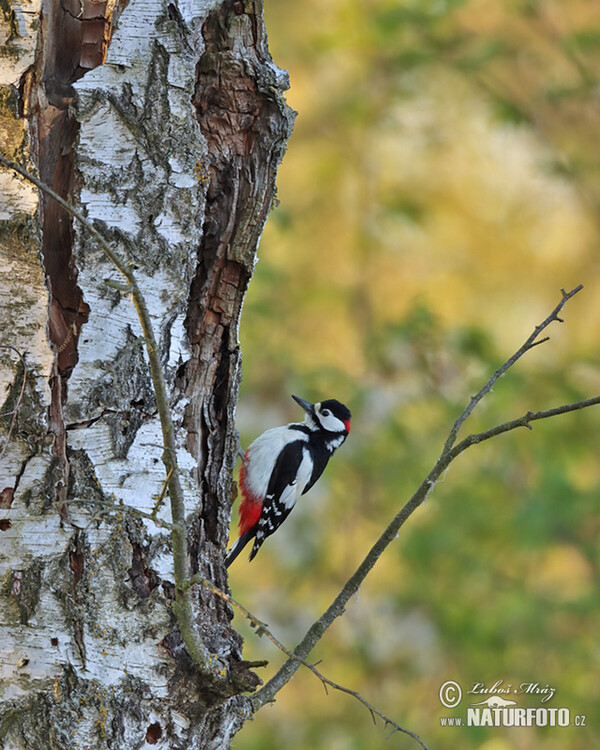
(347, 425)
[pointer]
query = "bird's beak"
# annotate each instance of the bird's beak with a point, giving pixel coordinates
(306, 405)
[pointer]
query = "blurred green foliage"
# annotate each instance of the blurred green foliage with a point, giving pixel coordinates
(441, 185)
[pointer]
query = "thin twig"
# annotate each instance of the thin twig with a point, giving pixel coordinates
(161, 496)
(529, 344)
(267, 693)
(523, 421)
(182, 606)
(263, 629)
(70, 209)
(19, 400)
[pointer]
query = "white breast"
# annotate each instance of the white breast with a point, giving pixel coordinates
(262, 455)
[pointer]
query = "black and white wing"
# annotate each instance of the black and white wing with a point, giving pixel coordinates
(290, 475)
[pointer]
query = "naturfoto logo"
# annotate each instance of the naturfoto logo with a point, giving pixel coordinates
(499, 709)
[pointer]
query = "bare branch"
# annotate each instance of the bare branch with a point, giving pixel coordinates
(19, 400)
(263, 629)
(337, 607)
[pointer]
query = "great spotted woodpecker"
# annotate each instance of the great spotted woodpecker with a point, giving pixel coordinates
(282, 464)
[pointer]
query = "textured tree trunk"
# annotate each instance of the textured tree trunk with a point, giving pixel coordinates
(165, 122)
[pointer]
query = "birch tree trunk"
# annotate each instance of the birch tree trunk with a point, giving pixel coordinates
(165, 122)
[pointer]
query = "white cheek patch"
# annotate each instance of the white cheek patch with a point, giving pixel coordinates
(331, 423)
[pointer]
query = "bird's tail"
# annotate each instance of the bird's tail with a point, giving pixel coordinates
(238, 546)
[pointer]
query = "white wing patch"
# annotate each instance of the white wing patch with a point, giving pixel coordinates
(292, 492)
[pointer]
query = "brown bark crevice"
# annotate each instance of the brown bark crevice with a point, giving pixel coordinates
(246, 126)
(74, 39)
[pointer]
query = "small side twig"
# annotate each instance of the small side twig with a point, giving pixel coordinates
(160, 497)
(263, 629)
(19, 399)
(524, 421)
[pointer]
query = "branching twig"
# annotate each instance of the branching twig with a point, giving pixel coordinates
(263, 629)
(182, 607)
(18, 401)
(449, 453)
(529, 344)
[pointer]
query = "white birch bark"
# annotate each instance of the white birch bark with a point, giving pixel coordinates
(171, 143)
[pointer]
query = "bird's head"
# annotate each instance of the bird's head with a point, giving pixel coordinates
(329, 416)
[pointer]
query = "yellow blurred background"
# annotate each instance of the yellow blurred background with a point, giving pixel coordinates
(441, 185)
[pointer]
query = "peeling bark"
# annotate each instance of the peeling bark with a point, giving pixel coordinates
(165, 121)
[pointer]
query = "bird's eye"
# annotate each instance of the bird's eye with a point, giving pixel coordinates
(325, 412)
